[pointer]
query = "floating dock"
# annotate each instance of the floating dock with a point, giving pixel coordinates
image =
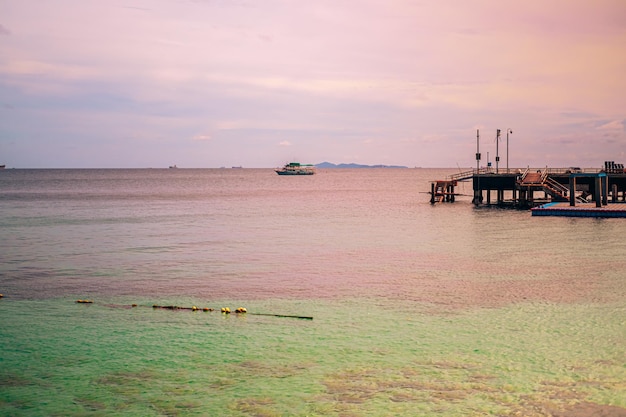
(581, 210)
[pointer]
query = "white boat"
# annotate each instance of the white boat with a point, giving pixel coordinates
(296, 168)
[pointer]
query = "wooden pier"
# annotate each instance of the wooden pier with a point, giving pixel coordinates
(443, 190)
(533, 187)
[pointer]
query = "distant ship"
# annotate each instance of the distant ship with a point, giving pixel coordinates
(296, 168)
(173, 167)
(3, 166)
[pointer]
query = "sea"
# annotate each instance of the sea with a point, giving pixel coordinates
(361, 298)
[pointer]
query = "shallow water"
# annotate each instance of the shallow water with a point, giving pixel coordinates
(417, 309)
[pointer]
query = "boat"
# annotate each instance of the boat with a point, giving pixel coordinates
(173, 167)
(3, 166)
(296, 168)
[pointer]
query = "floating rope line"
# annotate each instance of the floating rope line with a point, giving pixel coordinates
(283, 315)
(223, 310)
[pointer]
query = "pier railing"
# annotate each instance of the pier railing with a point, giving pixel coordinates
(572, 170)
(467, 175)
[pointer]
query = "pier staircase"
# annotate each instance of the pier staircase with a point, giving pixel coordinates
(557, 191)
(538, 179)
(531, 179)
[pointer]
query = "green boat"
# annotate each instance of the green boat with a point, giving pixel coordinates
(296, 168)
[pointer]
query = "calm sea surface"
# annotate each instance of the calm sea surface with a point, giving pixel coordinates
(418, 309)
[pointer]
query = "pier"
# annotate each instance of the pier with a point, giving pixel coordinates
(531, 188)
(536, 188)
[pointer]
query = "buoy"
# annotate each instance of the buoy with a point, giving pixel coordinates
(225, 310)
(1, 295)
(134, 305)
(241, 310)
(194, 308)
(84, 301)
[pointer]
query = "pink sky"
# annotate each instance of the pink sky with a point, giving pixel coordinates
(150, 83)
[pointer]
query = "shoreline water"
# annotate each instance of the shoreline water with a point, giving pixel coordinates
(417, 309)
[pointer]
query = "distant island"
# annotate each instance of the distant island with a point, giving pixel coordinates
(331, 165)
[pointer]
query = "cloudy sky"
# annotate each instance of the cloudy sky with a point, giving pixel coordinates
(211, 83)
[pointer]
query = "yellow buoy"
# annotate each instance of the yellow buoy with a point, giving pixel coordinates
(226, 310)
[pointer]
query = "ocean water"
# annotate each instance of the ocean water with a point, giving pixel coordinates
(417, 309)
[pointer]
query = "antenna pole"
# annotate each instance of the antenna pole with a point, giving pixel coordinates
(477, 151)
(507, 148)
(478, 197)
(497, 152)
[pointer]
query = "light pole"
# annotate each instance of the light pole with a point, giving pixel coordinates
(477, 152)
(507, 149)
(497, 151)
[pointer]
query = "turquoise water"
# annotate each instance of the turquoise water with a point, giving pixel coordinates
(440, 310)
(351, 359)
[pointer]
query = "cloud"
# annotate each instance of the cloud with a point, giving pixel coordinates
(434, 138)
(615, 125)
(413, 79)
(202, 137)
(142, 9)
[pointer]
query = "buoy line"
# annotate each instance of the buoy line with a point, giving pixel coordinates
(283, 315)
(223, 310)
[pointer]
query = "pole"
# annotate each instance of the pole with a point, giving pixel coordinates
(477, 151)
(497, 151)
(507, 148)
(477, 193)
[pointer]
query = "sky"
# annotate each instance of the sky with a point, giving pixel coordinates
(258, 83)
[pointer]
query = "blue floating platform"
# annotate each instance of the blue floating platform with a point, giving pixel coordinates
(580, 210)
